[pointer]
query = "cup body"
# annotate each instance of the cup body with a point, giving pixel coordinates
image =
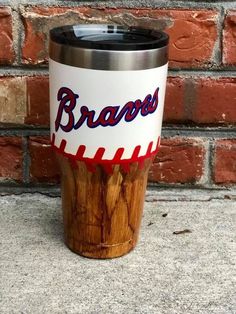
(107, 88)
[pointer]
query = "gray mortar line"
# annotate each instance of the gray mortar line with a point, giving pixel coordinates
(24, 132)
(217, 50)
(53, 191)
(26, 161)
(18, 30)
(42, 71)
(167, 131)
(131, 4)
(212, 73)
(205, 179)
(193, 186)
(211, 160)
(16, 34)
(207, 176)
(221, 35)
(175, 193)
(202, 132)
(21, 35)
(23, 71)
(159, 4)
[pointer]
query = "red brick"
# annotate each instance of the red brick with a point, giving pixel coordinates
(11, 158)
(37, 22)
(43, 167)
(224, 171)
(37, 100)
(229, 39)
(193, 33)
(12, 100)
(193, 36)
(178, 161)
(188, 100)
(201, 100)
(7, 54)
(216, 101)
(174, 100)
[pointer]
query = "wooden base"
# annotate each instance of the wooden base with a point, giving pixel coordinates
(102, 251)
(102, 212)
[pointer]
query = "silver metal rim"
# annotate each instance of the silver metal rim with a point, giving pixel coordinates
(111, 60)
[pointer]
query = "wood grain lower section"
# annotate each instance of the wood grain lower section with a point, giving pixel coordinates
(102, 212)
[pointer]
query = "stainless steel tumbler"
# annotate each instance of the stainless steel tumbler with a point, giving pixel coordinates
(107, 88)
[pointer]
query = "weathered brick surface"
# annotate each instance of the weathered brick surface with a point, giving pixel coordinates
(7, 54)
(43, 167)
(193, 33)
(192, 98)
(224, 171)
(11, 158)
(201, 100)
(215, 101)
(12, 99)
(37, 100)
(174, 100)
(37, 22)
(229, 38)
(178, 161)
(193, 37)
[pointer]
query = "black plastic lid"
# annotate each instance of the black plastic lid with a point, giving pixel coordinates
(109, 37)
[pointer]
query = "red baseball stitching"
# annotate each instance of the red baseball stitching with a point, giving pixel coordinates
(107, 164)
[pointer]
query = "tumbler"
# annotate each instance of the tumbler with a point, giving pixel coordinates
(107, 89)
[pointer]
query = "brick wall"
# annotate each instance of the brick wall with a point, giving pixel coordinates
(199, 133)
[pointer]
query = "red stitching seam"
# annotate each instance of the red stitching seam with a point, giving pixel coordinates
(107, 164)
